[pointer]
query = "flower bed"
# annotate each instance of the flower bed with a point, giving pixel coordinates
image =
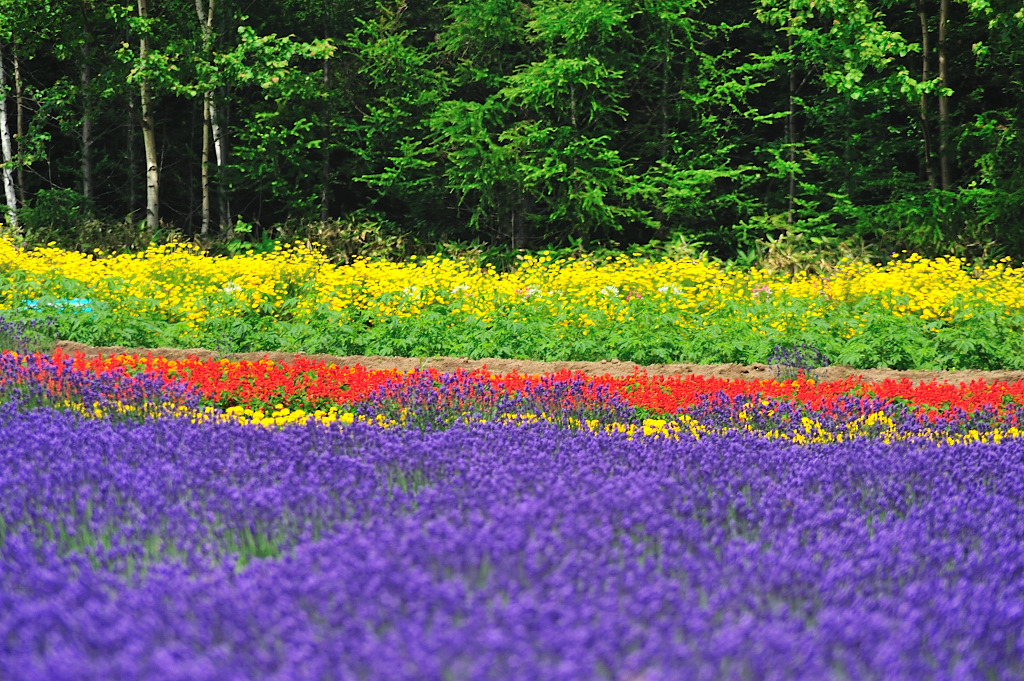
(175, 547)
(800, 410)
(908, 313)
(191, 519)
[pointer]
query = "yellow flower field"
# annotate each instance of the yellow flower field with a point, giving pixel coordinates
(176, 277)
(178, 284)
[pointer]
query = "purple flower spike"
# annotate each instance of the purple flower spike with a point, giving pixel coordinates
(171, 550)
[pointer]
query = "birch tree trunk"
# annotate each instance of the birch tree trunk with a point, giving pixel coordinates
(945, 166)
(19, 104)
(212, 130)
(220, 148)
(149, 134)
(205, 15)
(791, 133)
(205, 166)
(8, 150)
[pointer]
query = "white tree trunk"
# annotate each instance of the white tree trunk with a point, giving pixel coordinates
(20, 107)
(8, 150)
(205, 16)
(212, 127)
(149, 135)
(204, 160)
(220, 148)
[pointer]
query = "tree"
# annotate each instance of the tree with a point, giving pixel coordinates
(522, 123)
(926, 138)
(274, 144)
(396, 86)
(17, 19)
(148, 124)
(838, 61)
(5, 140)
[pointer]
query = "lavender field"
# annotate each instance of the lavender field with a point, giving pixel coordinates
(165, 549)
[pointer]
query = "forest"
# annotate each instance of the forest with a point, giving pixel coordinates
(389, 126)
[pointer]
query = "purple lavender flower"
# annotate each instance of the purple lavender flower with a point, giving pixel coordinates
(27, 336)
(168, 550)
(428, 402)
(792, 362)
(39, 380)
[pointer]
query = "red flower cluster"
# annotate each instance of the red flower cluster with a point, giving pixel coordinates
(303, 383)
(310, 384)
(674, 393)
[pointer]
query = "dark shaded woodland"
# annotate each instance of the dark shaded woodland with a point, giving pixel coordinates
(894, 125)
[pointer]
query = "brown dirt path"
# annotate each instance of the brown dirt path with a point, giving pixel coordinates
(613, 368)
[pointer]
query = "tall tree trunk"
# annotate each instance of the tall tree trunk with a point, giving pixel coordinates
(791, 134)
(206, 12)
(325, 151)
(19, 104)
(220, 148)
(666, 55)
(666, 48)
(205, 166)
(8, 150)
(926, 137)
(205, 15)
(945, 166)
(85, 78)
(149, 134)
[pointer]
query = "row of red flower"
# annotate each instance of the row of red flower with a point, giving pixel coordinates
(310, 384)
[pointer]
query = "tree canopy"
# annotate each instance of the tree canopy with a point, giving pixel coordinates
(520, 122)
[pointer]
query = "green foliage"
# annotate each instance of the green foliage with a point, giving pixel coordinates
(65, 217)
(862, 332)
(55, 215)
(276, 148)
(387, 126)
(970, 222)
(399, 85)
